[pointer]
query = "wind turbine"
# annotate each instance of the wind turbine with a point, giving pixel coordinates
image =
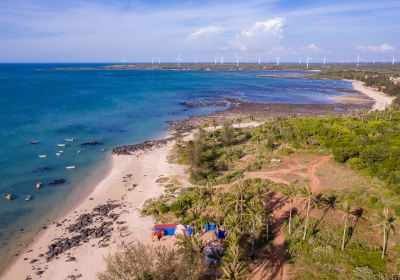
(278, 59)
(215, 60)
(358, 60)
(299, 60)
(152, 60)
(324, 60)
(179, 60)
(222, 60)
(308, 60)
(237, 60)
(259, 60)
(393, 60)
(159, 61)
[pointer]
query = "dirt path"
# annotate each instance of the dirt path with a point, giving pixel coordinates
(275, 266)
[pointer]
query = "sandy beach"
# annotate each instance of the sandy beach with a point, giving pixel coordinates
(381, 100)
(130, 182)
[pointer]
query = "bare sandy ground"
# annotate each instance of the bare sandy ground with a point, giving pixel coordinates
(145, 168)
(382, 101)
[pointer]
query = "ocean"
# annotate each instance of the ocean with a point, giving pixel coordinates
(112, 107)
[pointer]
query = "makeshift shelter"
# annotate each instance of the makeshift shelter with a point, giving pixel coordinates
(169, 229)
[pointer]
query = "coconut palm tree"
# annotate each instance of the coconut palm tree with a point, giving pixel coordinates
(233, 266)
(255, 216)
(346, 209)
(238, 198)
(387, 225)
(310, 199)
(289, 194)
(259, 193)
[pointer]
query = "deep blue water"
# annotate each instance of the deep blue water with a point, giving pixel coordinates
(112, 107)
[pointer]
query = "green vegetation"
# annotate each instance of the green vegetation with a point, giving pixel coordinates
(337, 233)
(379, 80)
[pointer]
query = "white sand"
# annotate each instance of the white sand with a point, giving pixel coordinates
(145, 169)
(382, 101)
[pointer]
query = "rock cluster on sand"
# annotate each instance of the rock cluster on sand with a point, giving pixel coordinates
(86, 229)
(144, 146)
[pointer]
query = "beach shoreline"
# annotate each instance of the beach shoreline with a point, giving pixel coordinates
(381, 100)
(144, 168)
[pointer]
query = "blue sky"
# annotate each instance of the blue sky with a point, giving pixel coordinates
(126, 30)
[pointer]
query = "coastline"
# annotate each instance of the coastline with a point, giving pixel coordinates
(145, 167)
(381, 100)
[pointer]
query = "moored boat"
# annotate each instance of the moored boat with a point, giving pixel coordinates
(58, 154)
(42, 156)
(71, 167)
(61, 145)
(28, 197)
(69, 139)
(8, 196)
(38, 185)
(34, 142)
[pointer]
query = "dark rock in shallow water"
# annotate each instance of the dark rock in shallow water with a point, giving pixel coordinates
(144, 146)
(57, 182)
(90, 143)
(43, 169)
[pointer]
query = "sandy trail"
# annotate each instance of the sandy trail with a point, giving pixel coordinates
(275, 267)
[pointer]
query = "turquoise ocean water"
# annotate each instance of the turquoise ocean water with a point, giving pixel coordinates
(111, 107)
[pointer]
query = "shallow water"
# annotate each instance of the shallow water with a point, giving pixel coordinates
(112, 107)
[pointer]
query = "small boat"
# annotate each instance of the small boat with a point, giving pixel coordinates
(43, 156)
(34, 142)
(28, 197)
(78, 152)
(58, 154)
(103, 150)
(71, 167)
(61, 152)
(69, 139)
(61, 145)
(8, 196)
(38, 185)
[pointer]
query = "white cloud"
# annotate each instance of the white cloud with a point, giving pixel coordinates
(384, 48)
(205, 30)
(272, 26)
(313, 47)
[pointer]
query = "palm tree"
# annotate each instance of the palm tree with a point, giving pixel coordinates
(255, 215)
(259, 193)
(233, 266)
(309, 197)
(233, 223)
(289, 194)
(388, 225)
(238, 198)
(346, 209)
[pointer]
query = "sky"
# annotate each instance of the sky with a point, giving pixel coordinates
(203, 31)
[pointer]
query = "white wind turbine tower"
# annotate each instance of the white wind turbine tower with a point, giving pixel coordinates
(215, 60)
(393, 60)
(237, 60)
(278, 60)
(259, 60)
(324, 60)
(222, 60)
(299, 60)
(179, 60)
(152, 60)
(358, 60)
(308, 60)
(159, 61)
